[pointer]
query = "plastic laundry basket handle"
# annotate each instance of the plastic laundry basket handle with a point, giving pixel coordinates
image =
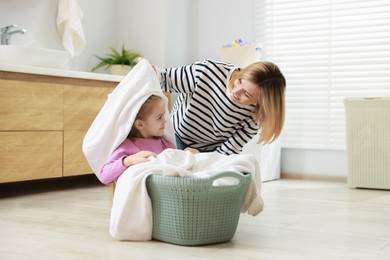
(236, 175)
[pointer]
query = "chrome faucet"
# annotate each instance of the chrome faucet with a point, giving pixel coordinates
(6, 33)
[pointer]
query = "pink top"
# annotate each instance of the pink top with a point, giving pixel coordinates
(111, 171)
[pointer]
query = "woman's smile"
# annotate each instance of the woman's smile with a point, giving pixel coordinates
(234, 97)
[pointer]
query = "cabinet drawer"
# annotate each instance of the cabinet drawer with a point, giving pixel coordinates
(82, 104)
(30, 155)
(74, 159)
(30, 106)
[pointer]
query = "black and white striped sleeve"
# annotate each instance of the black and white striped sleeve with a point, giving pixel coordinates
(236, 142)
(180, 80)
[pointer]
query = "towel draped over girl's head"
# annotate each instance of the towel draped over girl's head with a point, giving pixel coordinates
(114, 121)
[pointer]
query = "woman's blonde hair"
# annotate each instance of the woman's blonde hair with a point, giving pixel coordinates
(145, 110)
(269, 112)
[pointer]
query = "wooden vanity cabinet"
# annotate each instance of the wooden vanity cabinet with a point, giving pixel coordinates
(30, 106)
(30, 130)
(30, 155)
(81, 105)
(43, 121)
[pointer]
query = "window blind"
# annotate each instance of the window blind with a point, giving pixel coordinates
(327, 50)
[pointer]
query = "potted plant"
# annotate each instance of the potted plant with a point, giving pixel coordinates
(119, 62)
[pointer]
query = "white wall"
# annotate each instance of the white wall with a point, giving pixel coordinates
(160, 30)
(39, 18)
(331, 163)
(101, 31)
(222, 21)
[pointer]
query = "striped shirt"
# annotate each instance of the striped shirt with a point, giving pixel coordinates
(203, 115)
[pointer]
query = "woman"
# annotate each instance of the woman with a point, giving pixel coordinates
(221, 107)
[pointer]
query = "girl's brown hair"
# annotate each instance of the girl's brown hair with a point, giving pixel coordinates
(145, 110)
(269, 112)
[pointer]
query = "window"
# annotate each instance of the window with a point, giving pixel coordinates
(327, 50)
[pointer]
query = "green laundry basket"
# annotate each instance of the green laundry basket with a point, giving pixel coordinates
(192, 211)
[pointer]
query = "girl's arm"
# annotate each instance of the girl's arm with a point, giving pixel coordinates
(111, 170)
(119, 162)
(137, 158)
(124, 155)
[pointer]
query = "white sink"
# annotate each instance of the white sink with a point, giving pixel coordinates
(33, 56)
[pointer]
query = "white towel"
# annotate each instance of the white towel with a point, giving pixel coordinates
(69, 26)
(114, 121)
(131, 212)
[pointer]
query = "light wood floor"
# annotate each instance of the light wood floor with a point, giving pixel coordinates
(68, 219)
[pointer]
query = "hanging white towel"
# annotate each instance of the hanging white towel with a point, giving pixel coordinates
(114, 121)
(69, 26)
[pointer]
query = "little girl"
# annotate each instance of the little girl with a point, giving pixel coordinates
(145, 139)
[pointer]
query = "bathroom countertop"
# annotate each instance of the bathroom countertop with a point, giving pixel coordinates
(60, 72)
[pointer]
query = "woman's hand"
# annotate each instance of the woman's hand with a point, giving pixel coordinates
(137, 158)
(191, 150)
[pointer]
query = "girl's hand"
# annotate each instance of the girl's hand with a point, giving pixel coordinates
(137, 158)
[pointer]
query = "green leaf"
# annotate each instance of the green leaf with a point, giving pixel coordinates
(123, 57)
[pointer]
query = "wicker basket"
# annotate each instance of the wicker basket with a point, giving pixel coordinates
(368, 142)
(191, 211)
